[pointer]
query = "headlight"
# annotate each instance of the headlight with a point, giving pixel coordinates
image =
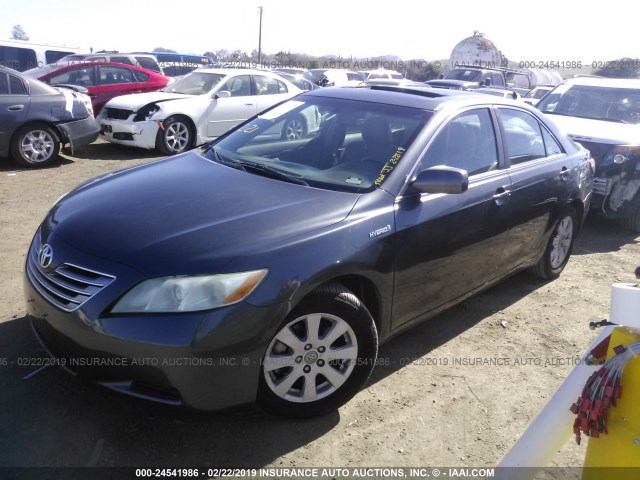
(189, 294)
(146, 112)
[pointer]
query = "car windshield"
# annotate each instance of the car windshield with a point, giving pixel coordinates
(195, 83)
(595, 102)
(537, 92)
(467, 75)
(331, 143)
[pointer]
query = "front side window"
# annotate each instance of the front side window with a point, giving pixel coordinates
(523, 136)
(124, 60)
(148, 63)
(468, 141)
(337, 144)
(76, 76)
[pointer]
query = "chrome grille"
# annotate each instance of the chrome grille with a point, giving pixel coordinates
(118, 113)
(68, 286)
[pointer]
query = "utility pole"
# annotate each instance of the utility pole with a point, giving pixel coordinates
(260, 38)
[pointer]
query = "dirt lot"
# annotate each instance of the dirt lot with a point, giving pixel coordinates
(431, 412)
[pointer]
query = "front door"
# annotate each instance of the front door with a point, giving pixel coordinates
(450, 244)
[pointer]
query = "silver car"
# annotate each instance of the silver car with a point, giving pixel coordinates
(36, 120)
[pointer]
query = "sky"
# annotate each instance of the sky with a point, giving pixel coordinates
(539, 31)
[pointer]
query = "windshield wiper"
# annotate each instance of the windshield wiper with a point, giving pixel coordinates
(270, 172)
(256, 168)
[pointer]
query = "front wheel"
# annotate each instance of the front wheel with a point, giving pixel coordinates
(632, 221)
(35, 145)
(559, 247)
(320, 357)
(175, 137)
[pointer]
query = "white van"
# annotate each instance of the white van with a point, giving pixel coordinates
(21, 55)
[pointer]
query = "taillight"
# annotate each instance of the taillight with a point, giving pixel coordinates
(592, 164)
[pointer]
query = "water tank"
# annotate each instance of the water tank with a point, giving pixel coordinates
(476, 50)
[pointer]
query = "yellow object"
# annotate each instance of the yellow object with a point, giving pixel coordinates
(621, 446)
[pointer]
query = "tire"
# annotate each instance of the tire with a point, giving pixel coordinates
(632, 222)
(320, 357)
(35, 145)
(177, 136)
(559, 247)
(295, 128)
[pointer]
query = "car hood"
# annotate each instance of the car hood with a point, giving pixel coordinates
(188, 215)
(137, 100)
(597, 131)
(450, 83)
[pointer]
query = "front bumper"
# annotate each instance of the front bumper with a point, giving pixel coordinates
(80, 132)
(206, 360)
(127, 132)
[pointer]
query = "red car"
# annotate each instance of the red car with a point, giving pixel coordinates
(103, 80)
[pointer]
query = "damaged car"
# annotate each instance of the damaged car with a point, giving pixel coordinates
(603, 114)
(38, 120)
(196, 108)
(268, 269)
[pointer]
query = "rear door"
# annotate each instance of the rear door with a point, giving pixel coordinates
(113, 82)
(540, 172)
(14, 106)
(269, 91)
(450, 244)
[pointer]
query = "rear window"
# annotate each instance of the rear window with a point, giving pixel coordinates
(148, 63)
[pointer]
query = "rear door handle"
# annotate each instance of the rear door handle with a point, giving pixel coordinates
(564, 174)
(16, 108)
(248, 104)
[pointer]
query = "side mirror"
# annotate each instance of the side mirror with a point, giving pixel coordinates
(441, 179)
(223, 94)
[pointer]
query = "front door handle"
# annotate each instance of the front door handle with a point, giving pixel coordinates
(16, 108)
(501, 196)
(248, 104)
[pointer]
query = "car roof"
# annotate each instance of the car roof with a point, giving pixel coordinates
(235, 71)
(423, 97)
(39, 72)
(604, 82)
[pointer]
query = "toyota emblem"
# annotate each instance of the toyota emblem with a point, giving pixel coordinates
(46, 255)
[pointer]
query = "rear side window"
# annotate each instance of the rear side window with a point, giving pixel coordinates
(124, 60)
(52, 56)
(16, 87)
(140, 76)
(551, 145)
(148, 63)
(523, 136)
(354, 76)
(115, 75)
(4, 84)
(268, 86)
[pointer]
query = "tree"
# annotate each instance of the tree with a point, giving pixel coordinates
(18, 33)
(622, 68)
(162, 49)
